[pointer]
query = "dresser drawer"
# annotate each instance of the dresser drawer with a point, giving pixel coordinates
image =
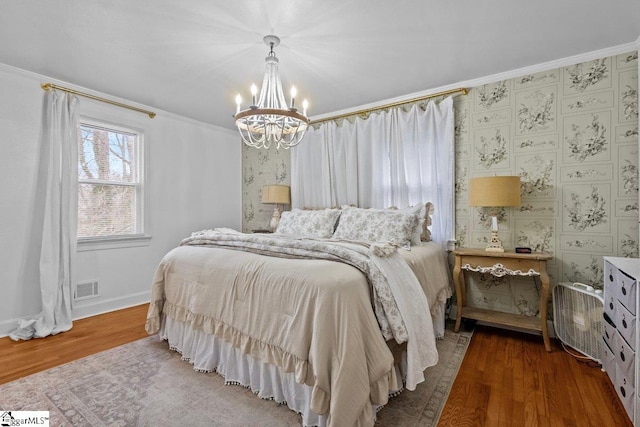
(625, 323)
(609, 332)
(626, 291)
(611, 274)
(610, 307)
(609, 362)
(625, 391)
(610, 277)
(625, 360)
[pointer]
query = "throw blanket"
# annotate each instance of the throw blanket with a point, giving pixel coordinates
(399, 302)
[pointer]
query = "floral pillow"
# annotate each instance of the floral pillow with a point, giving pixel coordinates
(314, 223)
(421, 212)
(377, 225)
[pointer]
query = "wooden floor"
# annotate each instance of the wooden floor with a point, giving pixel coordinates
(88, 336)
(506, 378)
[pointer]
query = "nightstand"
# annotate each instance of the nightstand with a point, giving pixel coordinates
(501, 264)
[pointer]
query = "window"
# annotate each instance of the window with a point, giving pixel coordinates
(109, 182)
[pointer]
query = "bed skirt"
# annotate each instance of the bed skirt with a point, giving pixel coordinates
(209, 354)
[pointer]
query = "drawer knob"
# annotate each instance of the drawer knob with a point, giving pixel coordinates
(622, 356)
(623, 392)
(624, 291)
(611, 277)
(624, 323)
(611, 305)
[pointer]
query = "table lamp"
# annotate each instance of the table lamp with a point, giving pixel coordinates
(275, 194)
(494, 192)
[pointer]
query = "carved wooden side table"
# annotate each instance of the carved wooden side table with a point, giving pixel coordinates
(501, 264)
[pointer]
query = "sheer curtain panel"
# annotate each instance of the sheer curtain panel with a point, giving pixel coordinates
(59, 166)
(393, 158)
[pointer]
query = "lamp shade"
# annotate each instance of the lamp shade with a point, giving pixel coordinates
(494, 191)
(276, 194)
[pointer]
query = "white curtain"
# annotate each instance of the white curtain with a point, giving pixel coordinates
(59, 165)
(393, 158)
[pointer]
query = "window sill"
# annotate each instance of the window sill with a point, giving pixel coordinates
(113, 242)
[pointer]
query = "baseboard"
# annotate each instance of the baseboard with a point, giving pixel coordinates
(113, 304)
(7, 326)
(87, 310)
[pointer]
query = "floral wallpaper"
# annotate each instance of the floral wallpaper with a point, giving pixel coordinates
(261, 167)
(571, 134)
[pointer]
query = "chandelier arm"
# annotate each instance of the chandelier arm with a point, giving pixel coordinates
(270, 111)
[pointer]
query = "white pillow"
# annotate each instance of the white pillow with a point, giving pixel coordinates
(422, 232)
(377, 225)
(314, 223)
(420, 210)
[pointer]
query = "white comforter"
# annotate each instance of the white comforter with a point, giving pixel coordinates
(311, 317)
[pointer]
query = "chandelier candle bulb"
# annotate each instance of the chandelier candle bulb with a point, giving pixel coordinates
(238, 102)
(294, 92)
(254, 91)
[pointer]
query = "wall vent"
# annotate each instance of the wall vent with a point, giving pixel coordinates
(86, 290)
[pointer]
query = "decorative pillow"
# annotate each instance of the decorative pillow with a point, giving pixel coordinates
(423, 211)
(420, 211)
(315, 223)
(377, 225)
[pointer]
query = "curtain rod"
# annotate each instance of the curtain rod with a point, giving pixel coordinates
(461, 90)
(47, 86)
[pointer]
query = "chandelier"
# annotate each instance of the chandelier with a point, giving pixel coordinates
(271, 120)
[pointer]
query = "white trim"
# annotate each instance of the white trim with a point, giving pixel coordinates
(106, 306)
(113, 242)
(506, 75)
(550, 65)
(8, 326)
(41, 78)
(139, 184)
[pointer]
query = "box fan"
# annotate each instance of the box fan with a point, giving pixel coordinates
(577, 318)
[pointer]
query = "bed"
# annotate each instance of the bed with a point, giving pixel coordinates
(330, 325)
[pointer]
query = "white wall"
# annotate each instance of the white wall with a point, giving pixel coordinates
(193, 181)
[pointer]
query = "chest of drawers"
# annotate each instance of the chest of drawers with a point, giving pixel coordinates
(620, 360)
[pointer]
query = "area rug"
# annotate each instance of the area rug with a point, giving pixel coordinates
(146, 384)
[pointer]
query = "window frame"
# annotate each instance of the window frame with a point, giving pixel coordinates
(141, 236)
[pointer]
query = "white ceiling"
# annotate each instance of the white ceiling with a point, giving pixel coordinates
(192, 57)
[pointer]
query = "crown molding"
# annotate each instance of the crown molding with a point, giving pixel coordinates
(40, 78)
(544, 66)
(558, 63)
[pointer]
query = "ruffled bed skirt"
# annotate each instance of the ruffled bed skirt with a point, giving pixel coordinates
(438, 317)
(210, 354)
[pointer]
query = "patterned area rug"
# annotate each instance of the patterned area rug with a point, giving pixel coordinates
(145, 384)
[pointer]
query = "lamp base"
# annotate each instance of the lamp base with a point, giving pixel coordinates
(494, 245)
(275, 219)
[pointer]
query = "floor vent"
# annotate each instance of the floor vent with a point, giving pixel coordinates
(86, 290)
